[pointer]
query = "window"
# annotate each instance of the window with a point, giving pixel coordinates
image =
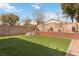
(51, 29)
(48, 30)
(73, 28)
(59, 30)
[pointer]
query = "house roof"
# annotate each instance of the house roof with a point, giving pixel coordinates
(52, 20)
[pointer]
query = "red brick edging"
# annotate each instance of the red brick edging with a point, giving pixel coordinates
(61, 34)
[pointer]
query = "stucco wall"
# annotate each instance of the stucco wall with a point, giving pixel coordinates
(64, 27)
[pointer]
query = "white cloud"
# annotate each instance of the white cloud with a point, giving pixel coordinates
(8, 8)
(56, 15)
(36, 6)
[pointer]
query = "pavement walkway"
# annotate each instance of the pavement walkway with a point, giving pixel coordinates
(73, 49)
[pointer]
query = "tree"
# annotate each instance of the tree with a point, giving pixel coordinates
(9, 19)
(69, 10)
(39, 16)
(77, 12)
(27, 24)
(27, 21)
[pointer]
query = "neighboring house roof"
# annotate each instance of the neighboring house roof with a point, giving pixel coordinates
(22, 23)
(33, 22)
(0, 22)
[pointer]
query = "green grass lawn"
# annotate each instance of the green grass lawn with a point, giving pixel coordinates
(33, 46)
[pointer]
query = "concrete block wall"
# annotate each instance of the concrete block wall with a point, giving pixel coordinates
(12, 30)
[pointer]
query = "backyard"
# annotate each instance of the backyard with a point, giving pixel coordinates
(23, 45)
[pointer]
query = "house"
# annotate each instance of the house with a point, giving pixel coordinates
(70, 27)
(51, 25)
(58, 26)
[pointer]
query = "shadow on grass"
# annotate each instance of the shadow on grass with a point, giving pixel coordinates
(19, 47)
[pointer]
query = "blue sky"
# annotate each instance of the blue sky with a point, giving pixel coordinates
(24, 10)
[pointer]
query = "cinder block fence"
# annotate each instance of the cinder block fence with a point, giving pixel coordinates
(12, 30)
